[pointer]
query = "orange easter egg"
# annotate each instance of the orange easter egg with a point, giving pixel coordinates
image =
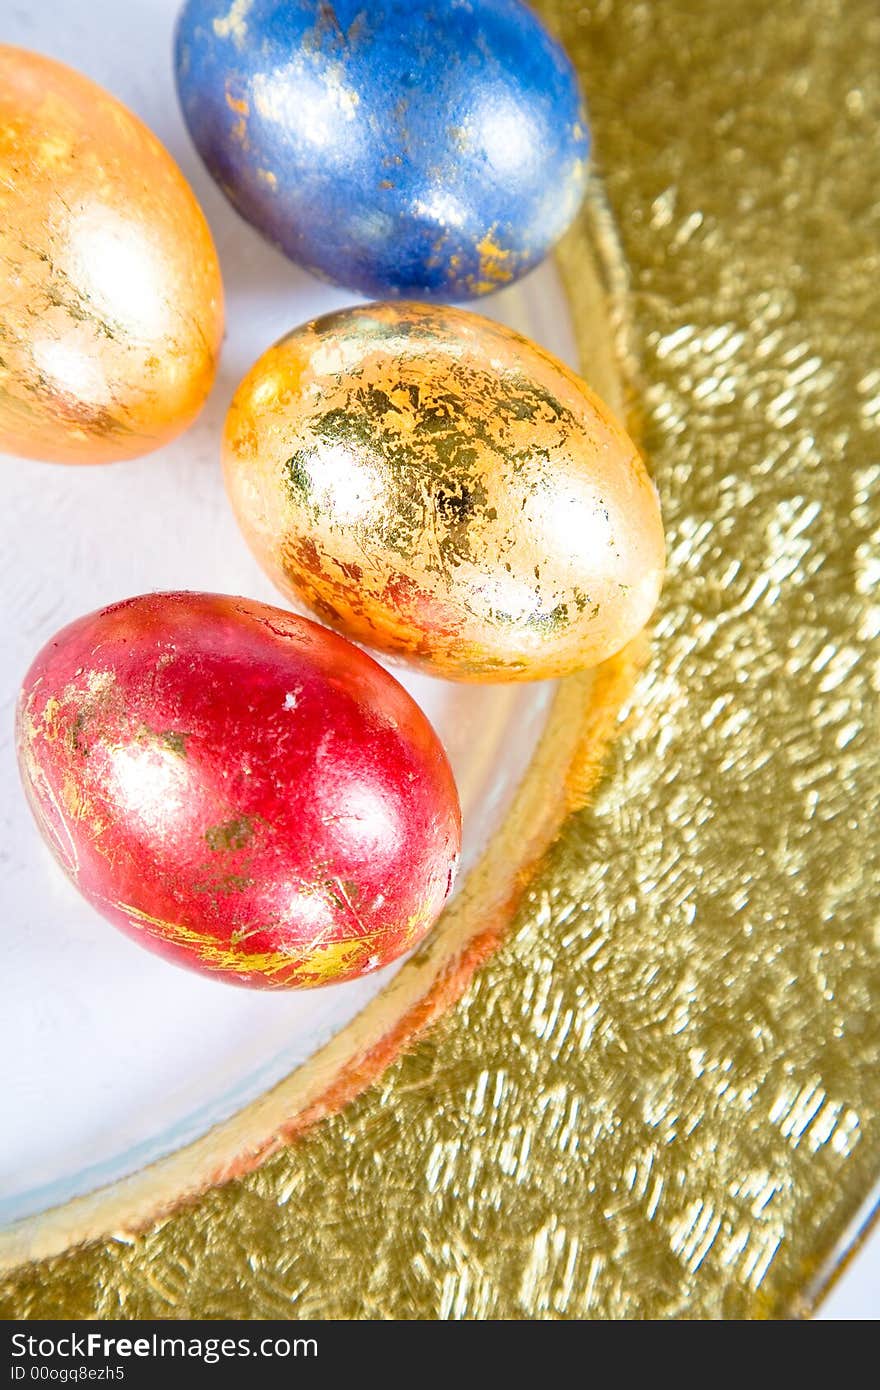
(111, 303)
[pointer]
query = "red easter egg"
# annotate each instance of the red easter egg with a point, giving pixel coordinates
(239, 789)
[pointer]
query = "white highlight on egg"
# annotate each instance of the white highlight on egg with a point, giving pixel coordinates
(309, 105)
(350, 489)
(309, 908)
(507, 133)
(441, 207)
(70, 370)
(123, 278)
(372, 823)
(152, 786)
(574, 516)
(509, 596)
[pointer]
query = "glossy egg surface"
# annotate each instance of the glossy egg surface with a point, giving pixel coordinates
(240, 790)
(438, 487)
(111, 304)
(398, 147)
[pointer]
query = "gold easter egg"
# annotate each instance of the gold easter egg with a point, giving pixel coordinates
(438, 487)
(111, 304)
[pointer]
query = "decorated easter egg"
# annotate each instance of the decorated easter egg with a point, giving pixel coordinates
(238, 789)
(437, 486)
(403, 147)
(111, 307)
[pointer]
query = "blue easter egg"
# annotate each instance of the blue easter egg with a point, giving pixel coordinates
(432, 150)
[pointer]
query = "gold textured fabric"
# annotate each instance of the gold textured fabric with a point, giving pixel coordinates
(662, 1096)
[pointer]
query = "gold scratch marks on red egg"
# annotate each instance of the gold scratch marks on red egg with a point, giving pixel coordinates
(67, 719)
(231, 835)
(45, 804)
(49, 719)
(75, 801)
(304, 965)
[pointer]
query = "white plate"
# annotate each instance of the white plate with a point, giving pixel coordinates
(110, 1057)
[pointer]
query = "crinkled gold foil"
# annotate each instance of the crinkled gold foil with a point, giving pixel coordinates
(661, 1098)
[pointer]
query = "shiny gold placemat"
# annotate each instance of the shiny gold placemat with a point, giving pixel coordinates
(661, 1096)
